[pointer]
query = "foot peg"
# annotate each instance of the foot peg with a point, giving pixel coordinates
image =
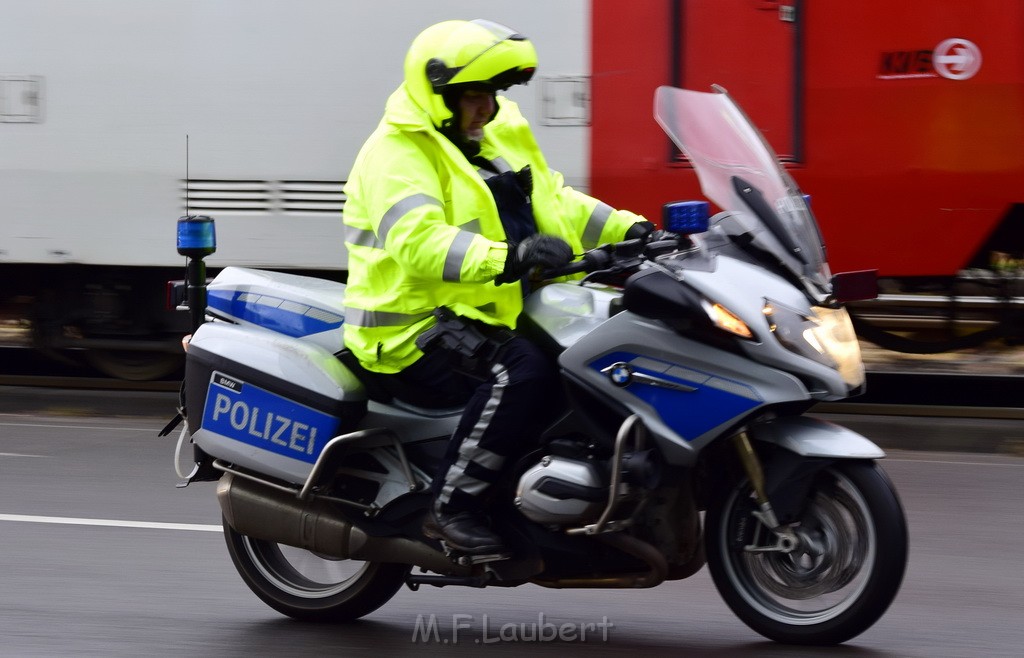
(466, 560)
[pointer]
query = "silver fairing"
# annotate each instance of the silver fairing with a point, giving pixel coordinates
(697, 391)
(687, 391)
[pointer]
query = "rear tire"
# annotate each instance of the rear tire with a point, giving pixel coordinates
(311, 587)
(837, 583)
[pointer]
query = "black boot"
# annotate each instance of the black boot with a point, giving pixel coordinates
(466, 532)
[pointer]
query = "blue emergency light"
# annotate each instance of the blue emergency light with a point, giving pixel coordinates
(685, 217)
(196, 240)
(196, 236)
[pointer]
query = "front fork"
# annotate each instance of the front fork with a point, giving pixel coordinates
(786, 539)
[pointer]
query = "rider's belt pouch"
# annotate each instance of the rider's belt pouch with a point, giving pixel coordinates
(472, 346)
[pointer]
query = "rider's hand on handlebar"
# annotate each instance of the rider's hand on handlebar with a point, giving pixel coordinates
(647, 234)
(662, 235)
(547, 251)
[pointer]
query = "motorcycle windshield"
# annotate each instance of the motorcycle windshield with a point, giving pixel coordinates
(739, 172)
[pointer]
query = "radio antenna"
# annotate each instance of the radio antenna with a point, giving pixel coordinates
(186, 176)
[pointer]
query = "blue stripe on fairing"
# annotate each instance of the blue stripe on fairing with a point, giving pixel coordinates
(689, 414)
(295, 323)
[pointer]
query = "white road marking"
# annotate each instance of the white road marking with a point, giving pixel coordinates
(109, 523)
(18, 454)
(84, 427)
(946, 461)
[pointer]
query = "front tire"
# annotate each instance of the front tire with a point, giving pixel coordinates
(841, 578)
(312, 587)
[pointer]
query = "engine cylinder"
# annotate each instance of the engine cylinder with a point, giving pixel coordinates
(562, 491)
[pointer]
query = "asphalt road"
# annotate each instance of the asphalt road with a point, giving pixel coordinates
(100, 555)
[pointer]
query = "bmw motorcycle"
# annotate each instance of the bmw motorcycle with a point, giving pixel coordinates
(688, 361)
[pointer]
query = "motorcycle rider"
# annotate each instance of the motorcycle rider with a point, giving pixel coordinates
(450, 203)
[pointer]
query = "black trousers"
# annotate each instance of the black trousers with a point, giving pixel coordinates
(502, 418)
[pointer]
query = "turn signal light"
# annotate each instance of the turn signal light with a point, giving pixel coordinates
(727, 320)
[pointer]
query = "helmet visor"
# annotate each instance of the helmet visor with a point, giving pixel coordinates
(510, 59)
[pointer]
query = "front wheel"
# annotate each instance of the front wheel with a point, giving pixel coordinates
(844, 572)
(309, 586)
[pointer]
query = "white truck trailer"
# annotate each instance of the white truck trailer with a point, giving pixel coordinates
(98, 99)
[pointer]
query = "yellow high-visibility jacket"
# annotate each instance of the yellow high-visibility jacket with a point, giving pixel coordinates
(422, 229)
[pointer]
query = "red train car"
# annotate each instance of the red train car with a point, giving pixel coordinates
(904, 121)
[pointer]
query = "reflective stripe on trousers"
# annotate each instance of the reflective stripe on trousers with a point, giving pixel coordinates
(500, 423)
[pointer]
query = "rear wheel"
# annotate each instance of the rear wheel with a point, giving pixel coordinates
(309, 586)
(841, 577)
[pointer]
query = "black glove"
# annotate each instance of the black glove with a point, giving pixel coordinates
(547, 251)
(639, 231)
(661, 235)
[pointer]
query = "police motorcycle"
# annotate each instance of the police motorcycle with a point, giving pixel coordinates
(688, 361)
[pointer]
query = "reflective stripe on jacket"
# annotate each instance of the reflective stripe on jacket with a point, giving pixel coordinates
(422, 229)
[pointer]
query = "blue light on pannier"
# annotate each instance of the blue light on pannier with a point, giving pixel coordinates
(685, 217)
(196, 236)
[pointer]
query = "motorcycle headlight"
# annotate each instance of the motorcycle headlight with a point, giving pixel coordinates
(826, 336)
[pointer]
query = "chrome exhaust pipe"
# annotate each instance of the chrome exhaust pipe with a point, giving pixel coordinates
(263, 512)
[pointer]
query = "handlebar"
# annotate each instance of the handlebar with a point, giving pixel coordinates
(619, 256)
(594, 260)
